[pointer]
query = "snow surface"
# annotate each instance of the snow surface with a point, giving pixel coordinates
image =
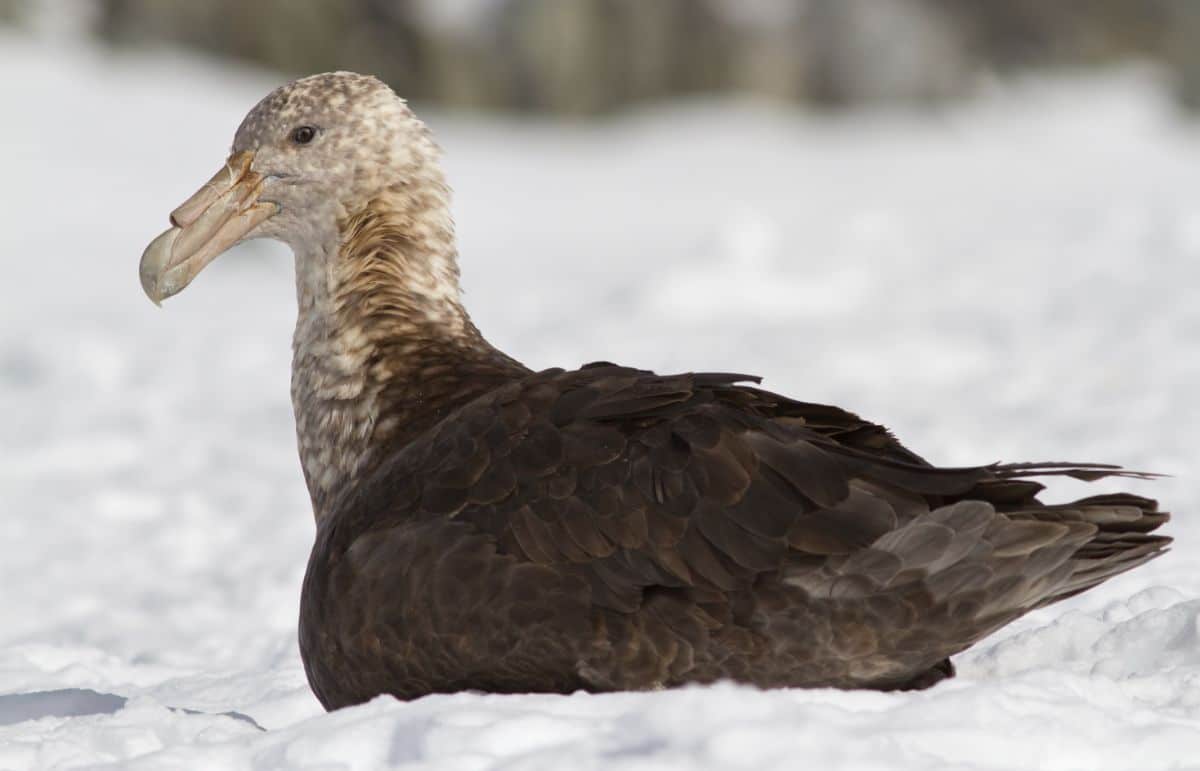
(1017, 278)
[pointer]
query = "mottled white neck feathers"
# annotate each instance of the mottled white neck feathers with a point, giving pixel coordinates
(383, 347)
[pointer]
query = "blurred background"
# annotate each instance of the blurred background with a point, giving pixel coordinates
(976, 221)
(587, 57)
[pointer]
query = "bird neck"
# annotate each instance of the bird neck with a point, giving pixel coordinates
(383, 348)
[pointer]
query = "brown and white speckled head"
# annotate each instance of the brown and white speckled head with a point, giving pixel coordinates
(305, 161)
(337, 167)
(364, 140)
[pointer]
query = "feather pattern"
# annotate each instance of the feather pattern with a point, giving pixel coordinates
(612, 528)
(483, 526)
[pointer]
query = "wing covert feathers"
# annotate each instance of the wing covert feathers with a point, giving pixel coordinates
(698, 528)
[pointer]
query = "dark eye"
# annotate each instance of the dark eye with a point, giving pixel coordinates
(302, 135)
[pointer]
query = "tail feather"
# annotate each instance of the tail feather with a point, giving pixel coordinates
(975, 549)
(1087, 472)
(1121, 522)
(1121, 540)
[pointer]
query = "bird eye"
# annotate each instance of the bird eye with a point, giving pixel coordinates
(302, 135)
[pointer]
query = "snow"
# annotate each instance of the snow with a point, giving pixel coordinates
(1015, 278)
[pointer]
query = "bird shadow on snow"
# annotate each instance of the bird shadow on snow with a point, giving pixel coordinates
(77, 702)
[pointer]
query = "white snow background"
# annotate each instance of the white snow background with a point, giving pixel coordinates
(1017, 278)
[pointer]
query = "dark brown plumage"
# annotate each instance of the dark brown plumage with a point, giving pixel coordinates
(481, 526)
(609, 528)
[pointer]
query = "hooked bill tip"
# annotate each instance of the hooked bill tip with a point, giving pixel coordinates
(155, 262)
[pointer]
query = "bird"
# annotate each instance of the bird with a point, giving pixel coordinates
(484, 526)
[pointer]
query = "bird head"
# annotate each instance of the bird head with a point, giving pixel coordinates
(308, 156)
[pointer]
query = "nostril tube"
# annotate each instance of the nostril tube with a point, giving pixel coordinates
(231, 173)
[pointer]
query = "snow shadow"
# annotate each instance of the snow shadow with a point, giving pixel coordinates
(76, 702)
